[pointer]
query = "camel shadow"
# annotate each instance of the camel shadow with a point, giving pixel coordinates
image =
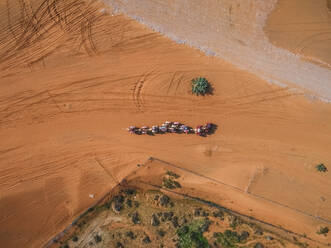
(213, 129)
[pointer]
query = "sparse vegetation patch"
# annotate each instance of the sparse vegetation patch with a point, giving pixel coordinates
(169, 180)
(134, 218)
(192, 235)
(200, 86)
(323, 230)
(321, 168)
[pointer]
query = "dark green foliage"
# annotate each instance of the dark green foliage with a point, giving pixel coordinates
(192, 235)
(119, 245)
(74, 238)
(219, 214)
(155, 220)
(197, 211)
(172, 174)
(205, 225)
(243, 236)
(174, 221)
(323, 230)
(161, 232)
(168, 215)
(135, 218)
(164, 200)
(200, 86)
(130, 234)
(235, 221)
(321, 168)
(118, 202)
(129, 203)
(97, 238)
(146, 240)
(130, 191)
(170, 183)
(64, 246)
(230, 239)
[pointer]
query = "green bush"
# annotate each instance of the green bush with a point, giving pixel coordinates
(321, 168)
(192, 235)
(170, 184)
(172, 174)
(200, 86)
(228, 239)
(97, 238)
(323, 230)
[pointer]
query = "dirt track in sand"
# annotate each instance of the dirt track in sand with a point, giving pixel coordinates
(73, 78)
(235, 31)
(307, 33)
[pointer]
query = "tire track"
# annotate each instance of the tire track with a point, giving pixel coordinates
(171, 81)
(138, 89)
(40, 30)
(301, 46)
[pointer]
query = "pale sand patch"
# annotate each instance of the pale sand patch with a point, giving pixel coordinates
(232, 30)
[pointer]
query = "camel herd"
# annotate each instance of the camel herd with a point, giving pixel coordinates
(172, 127)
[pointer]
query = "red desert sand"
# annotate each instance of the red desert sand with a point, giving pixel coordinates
(75, 74)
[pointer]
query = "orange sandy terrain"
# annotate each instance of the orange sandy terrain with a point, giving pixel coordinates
(307, 33)
(73, 77)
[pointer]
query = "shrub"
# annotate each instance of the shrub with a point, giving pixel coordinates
(164, 200)
(135, 218)
(97, 238)
(155, 220)
(321, 168)
(172, 174)
(146, 240)
(235, 221)
(192, 235)
(170, 184)
(130, 191)
(130, 234)
(200, 86)
(323, 230)
(228, 239)
(119, 245)
(161, 232)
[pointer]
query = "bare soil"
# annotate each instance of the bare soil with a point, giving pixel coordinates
(74, 76)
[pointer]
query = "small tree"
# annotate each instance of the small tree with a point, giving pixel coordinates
(321, 168)
(97, 238)
(200, 86)
(323, 230)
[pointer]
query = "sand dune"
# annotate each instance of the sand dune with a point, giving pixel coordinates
(74, 76)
